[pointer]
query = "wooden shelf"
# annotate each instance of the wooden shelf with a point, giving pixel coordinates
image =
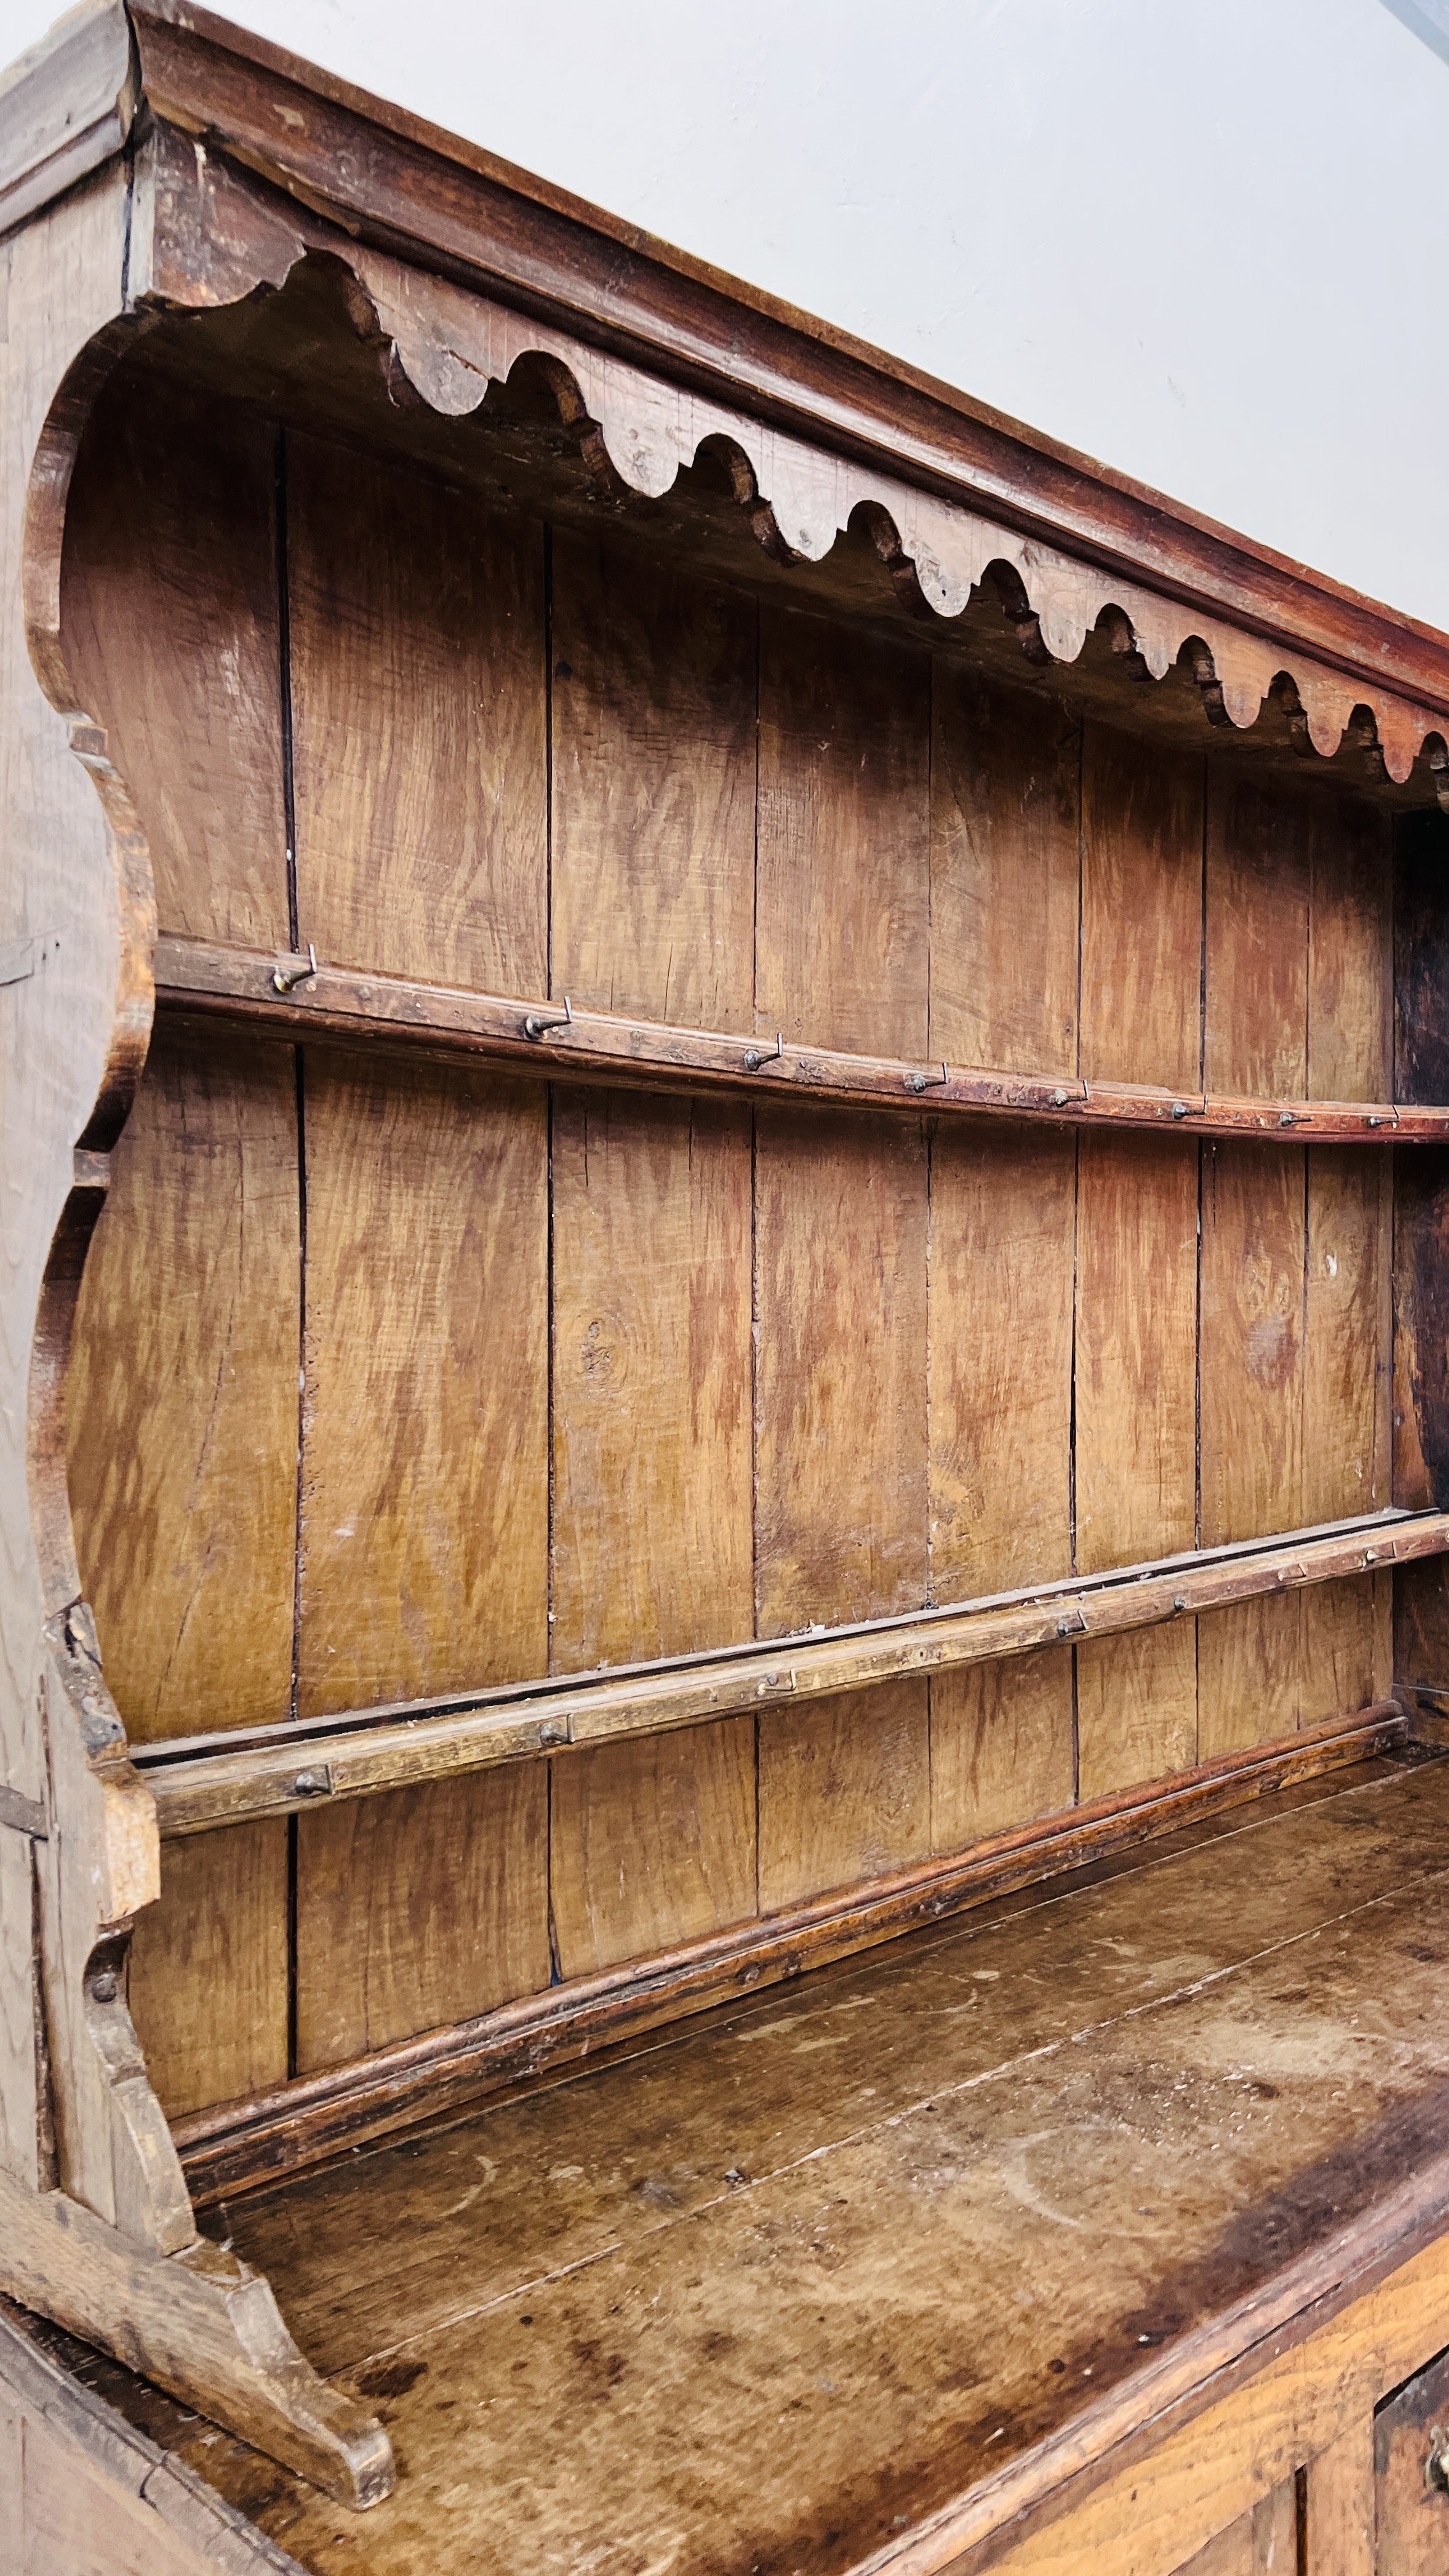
(594, 1046)
(201, 1781)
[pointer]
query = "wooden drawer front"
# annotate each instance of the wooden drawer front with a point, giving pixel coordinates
(1413, 2517)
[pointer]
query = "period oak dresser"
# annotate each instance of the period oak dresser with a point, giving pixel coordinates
(724, 1421)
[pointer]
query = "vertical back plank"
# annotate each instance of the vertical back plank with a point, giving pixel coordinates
(419, 1907)
(182, 1418)
(1249, 1673)
(1136, 1336)
(1259, 844)
(652, 1843)
(1136, 1707)
(1253, 1218)
(424, 1562)
(845, 1791)
(1005, 865)
(1002, 1249)
(208, 1976)
(1347, 1429)
(417, 623)
(654, 685)
(1338, 2507)
(843, 894)
(171, 618)
(1141, 912)
(841, 1483)
(1350, 951)
(652, 1549)
(1002, 1746)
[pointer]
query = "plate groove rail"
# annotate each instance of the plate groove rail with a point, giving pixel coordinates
(322, 1001)
(202, 1781)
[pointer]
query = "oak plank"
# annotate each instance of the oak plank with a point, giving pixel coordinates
(1347, 1428)
(841, 1469)
(1350, 950)
(1136, 1707)
(845, 1791)
(1249, 1673)
(1003, 1746)
(1136, 1324)
(652, 1441)
(1005, 868)
(424, 1542)
(418, 722)
(843, 883)
(1260, 837)
(1254, 1220)
(182, 1403)
(652, 1843)
(1142, 912)
(419, 1908)
(170, 611)
(654, 723)
(1338, 2507)
(1002, 1250)
(208, 1973)
(1347, 1646)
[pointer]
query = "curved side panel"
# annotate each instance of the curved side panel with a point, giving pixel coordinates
(60, 924)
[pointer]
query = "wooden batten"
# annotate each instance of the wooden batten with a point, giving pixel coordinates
(202, 1783)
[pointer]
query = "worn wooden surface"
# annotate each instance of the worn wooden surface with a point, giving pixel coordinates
(417, 710)
(1413, 2510)
(171, 610)
(182, 1410)
(928, 2209)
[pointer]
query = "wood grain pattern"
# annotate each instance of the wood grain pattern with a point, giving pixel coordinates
(418, 723)
(1350, 950)
(208, 1976)
(1348, 1334)
(1252, 1378)
(419, 1908)
(425, 1465)
(1136, 1349)
(1142, 912)
(1338, 2508)
(845, 1791)
(170, 615)
(1259, 845)
(1002, 1250)
(1003, 1746)
(654, 750)
(843, 888)
(841, 1484)
(182, 1403)
(652, 1442)
(1249, 1673)
(652, 1844)
(1005, 868)
(1136, 1707)
(1347, 1645)
(72, 2522)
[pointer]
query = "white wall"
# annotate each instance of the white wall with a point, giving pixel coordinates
(1208, 245)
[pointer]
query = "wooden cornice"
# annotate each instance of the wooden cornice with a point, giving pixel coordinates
(394, 182)
(400, 182)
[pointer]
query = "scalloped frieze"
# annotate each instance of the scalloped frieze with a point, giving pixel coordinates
(210, 235)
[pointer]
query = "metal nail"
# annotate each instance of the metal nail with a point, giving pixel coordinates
(536, 1026)
(754, 1059)
(287, 978)
(927, 1081)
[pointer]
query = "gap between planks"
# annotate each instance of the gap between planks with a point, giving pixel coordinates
(195, 976)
